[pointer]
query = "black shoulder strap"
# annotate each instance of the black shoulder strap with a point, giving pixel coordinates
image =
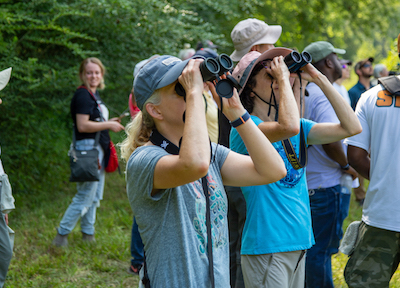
(300, 162)
(208, 226)
(95, 100)
(391, 84)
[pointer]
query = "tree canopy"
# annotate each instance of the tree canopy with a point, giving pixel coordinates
(45, 41)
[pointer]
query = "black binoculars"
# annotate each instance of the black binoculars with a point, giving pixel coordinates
(295, 61)
(210, 70)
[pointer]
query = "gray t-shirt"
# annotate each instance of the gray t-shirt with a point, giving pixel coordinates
(173, 226)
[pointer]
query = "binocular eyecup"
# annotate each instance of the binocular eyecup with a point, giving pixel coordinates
(211, 69)
(295, 61)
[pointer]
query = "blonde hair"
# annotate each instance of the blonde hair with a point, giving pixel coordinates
(139, 129)
(82, 69)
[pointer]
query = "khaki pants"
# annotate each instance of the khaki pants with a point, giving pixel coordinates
(276, 270)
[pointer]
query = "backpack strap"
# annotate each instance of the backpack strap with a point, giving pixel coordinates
(391, 84)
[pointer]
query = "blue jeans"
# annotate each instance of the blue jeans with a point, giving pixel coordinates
(137, 249)
(329, 208)
(86, 200)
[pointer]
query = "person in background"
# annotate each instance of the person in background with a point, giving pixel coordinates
(186, 53)
(278, 224)
(364, 72)
(137, 247)
(89, 115)
(380, 70)
(253, 35)
(338, 84)
(375, 154)
(211, 106)
(172, 169)
(248, 35)
(206, 44)
(327, 170)
(7, 205)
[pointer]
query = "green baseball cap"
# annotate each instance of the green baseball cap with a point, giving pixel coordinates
(321, 49)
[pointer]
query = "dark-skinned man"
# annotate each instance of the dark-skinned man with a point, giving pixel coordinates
(327, 163)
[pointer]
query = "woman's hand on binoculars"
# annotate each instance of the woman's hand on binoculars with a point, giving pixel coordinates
(231, 107)
(278, 69)
(191, 79)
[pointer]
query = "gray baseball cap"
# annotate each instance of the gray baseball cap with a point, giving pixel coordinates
(158, 73)
(321, 49)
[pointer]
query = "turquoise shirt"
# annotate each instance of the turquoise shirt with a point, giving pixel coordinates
(278, 214)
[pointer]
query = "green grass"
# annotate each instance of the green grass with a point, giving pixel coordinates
(36, 263)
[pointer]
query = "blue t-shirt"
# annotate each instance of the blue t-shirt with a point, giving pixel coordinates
(278, 214)
(173, 222)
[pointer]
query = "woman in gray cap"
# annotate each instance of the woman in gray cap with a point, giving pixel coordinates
(171, 165)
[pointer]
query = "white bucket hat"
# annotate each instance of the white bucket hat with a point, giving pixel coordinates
(250, 32)
(5, 77)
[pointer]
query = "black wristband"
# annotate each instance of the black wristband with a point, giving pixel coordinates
(241, 120)
(345, 167)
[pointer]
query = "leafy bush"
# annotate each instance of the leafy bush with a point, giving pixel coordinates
(45, 41)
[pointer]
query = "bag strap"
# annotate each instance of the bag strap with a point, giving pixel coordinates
(209, 233)
(95, 100)
(391, 84)
(96, 139)
(300, 162)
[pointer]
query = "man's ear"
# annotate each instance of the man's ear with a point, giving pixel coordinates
(329, 63)
(154, 111)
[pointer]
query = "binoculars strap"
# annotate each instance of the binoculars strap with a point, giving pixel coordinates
(296, 162)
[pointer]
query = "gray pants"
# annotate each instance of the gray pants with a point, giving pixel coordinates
(5, 248)
(284, 270)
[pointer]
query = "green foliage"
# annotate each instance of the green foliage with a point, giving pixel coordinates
(392, 61)
(45, 41)
(347, 24)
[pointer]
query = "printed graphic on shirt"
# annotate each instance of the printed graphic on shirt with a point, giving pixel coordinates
(218, 209)
(385, 99)
(293, 176)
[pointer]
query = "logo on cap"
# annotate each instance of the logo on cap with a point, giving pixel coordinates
(170, 61)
